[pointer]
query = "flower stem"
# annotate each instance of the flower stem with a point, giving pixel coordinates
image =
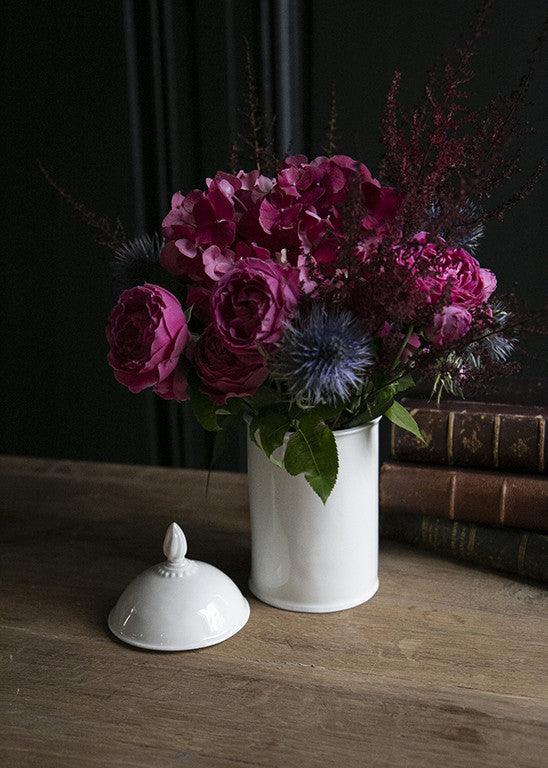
(402, 347)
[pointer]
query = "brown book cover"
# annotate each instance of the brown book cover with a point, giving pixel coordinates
(509, 550)
(472, 434)
(467, 495)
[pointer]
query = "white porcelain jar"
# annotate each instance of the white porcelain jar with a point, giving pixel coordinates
(307, 556)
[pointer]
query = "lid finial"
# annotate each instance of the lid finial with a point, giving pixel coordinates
(175, 545)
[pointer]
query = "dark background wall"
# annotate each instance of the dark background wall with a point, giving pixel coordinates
(126, 102)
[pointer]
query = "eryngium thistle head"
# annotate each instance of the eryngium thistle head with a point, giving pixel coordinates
(462, 227)
(500, 346)
(323, 356)
(135, 260)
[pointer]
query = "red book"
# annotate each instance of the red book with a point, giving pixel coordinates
(473, 434)
(467, 495)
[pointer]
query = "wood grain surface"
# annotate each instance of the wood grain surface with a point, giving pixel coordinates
(445, 666)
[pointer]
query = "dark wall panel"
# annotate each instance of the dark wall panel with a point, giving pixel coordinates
(358, 46)
(65, 105)
(127, 102)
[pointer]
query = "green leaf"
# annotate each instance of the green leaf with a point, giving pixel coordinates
(312, 451)
(406, 382)
(323, 412)
(264, 396)
(204, 410)
(402, 418)
(253, 427)
(274, 425)
(375, 407)
(268, 429)
(235, 407)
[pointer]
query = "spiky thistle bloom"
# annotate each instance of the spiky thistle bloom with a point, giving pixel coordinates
(134, 261)
(466, 228)
(323, 356)
(500, 346)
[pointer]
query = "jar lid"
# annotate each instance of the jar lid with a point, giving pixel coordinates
(180, 604)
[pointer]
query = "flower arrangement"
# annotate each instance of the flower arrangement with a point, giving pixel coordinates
(292, 317)
(302, 296)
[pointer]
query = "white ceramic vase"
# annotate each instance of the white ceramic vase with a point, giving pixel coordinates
(307, 556)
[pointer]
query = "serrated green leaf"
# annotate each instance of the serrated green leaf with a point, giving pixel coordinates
(402, 418)
(235, 407)
(252, 428)
(204, 410)
(323, 412)
(312, 451)
(274, 426)
(264, 396)
(375, 407)
(406, 382)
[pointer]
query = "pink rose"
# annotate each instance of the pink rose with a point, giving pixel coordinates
(251, 303)
(174, 387)
(449, 325)
(147, 332)
(222, 373)
(471, 285)
(436, 266)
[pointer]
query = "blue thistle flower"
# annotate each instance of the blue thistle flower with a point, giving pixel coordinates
(135, 260)
(499, 346)
(465, 233)
(323, 356)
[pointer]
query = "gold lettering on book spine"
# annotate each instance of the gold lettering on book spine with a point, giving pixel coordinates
(496, 440)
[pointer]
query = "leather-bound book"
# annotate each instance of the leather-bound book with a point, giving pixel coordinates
(467, 495)
(472, 434)
(509, 550)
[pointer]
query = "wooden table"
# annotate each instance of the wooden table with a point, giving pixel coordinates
(445, 666)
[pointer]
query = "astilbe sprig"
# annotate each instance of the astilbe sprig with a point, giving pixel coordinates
(103, 231)
(258, 142)
(451, 156)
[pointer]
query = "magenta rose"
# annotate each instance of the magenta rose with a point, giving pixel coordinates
(435, 266)
(449, 325)
(473, 284)
(174, 387)
(222, 373)
(147, 332)
(251, 303)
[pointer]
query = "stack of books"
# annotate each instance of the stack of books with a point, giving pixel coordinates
(476, 489)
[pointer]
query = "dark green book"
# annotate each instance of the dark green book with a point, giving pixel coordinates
(510, 550)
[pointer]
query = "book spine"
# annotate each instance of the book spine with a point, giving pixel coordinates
(485, 439)
(475, 496)
(520, 553)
